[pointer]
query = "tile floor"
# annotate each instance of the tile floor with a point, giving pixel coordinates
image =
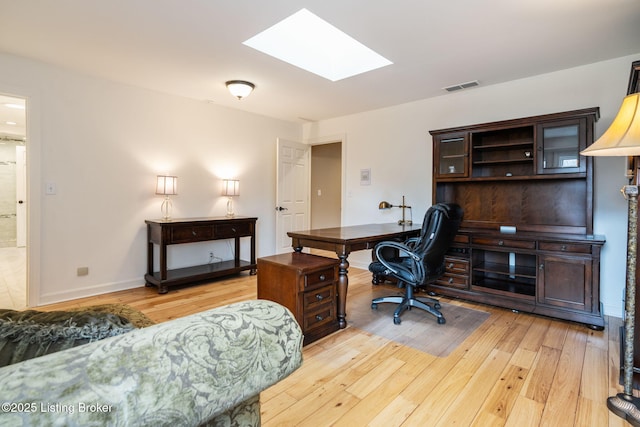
(13, 276)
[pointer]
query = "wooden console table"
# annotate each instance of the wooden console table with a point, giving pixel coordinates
(344, 240)
(191, 230)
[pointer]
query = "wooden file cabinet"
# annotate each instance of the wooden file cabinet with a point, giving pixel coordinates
(305, 284)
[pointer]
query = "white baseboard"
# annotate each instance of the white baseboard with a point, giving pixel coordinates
(104, 288)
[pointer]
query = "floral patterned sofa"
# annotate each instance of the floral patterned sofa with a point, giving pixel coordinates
(205, 369)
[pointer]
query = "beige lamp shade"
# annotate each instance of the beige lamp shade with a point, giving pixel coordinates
(623, 136)
(167, 185)
(230, 187)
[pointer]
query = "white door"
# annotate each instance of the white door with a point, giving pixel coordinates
(292, 192)
(21, 196)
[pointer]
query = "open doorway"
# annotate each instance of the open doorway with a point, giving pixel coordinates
(326, 185)
(13, 229)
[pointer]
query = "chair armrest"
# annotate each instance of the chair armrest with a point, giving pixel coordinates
(182, 372)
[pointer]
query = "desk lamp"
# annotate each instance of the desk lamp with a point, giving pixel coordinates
(387, 205)
(622, 138)
(166, 186)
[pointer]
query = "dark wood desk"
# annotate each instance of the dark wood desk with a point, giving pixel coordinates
(344, 240)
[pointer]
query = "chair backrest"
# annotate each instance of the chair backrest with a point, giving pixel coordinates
(439, 227)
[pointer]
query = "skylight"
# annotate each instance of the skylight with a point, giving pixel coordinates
(308, 42)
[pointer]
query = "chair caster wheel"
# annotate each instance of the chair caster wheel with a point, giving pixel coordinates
(396, 320)
(441, 321)
(437, 306)
(374, 306)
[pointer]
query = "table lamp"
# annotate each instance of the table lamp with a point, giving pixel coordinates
(622, 138)
(230, 188)
(387, 205)
(166, 186)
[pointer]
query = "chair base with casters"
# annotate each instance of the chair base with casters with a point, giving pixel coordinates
(407, 301)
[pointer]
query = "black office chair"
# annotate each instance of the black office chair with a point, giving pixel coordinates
(418, 261)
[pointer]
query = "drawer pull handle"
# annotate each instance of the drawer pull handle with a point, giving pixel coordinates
(319, 297)
(233, 229)
(563, 247)
(322, 277)
(450, 280)
(501, 243)
(450, 265)
(318, 317)
(194, 233)
(541, 267)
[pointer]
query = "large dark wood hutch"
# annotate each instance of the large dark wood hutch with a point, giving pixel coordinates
(527, 241)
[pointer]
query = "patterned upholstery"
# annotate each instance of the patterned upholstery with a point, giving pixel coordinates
(204, 369)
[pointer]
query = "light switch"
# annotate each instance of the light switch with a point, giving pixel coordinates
(50, 188)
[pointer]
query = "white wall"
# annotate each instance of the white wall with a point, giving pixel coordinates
(395, 144)
(102, 144)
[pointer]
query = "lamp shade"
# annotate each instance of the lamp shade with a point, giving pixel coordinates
(622, 138)
(230, 187)
(240, 88)
(385, 205)
(167, 185)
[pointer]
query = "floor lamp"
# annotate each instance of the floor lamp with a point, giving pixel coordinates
(622, 138)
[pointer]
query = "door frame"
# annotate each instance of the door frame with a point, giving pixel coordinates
(33, 149)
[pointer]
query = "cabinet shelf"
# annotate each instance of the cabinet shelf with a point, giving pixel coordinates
(503, 145)
(503, 161)
(507, 287)
(506, 270)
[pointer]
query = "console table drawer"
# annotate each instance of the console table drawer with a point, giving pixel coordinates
(189, 234)
(507, 243)
(564, 247)
(233, 230)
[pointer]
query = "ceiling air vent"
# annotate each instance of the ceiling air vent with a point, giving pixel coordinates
(459, 86)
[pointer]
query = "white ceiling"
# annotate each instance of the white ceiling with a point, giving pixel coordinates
(191, 47)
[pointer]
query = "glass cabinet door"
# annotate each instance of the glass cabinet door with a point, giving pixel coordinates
(559, 146)
(452, 155)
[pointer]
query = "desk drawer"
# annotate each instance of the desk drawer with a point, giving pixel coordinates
(506, 243)
(322, 316)
(454, 281)
(188, 234)
(314, 299)
(456, 265)
(233, 230)
(318, 277)
(564, 247)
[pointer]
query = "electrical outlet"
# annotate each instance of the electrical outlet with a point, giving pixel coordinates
(83, 271)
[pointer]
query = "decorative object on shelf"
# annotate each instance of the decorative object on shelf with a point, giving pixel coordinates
(230, 189)
(403, 221)
(240, 88)
(622, 138)
(166, 186)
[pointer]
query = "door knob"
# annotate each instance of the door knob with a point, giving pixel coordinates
(280, 208)
(20, 202)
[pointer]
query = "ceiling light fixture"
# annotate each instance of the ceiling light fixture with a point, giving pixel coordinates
(240, 88)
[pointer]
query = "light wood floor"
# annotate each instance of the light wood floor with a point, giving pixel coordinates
(515, 369)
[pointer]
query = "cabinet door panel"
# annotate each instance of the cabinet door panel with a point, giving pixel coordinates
(565, 281)
(559, 145)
